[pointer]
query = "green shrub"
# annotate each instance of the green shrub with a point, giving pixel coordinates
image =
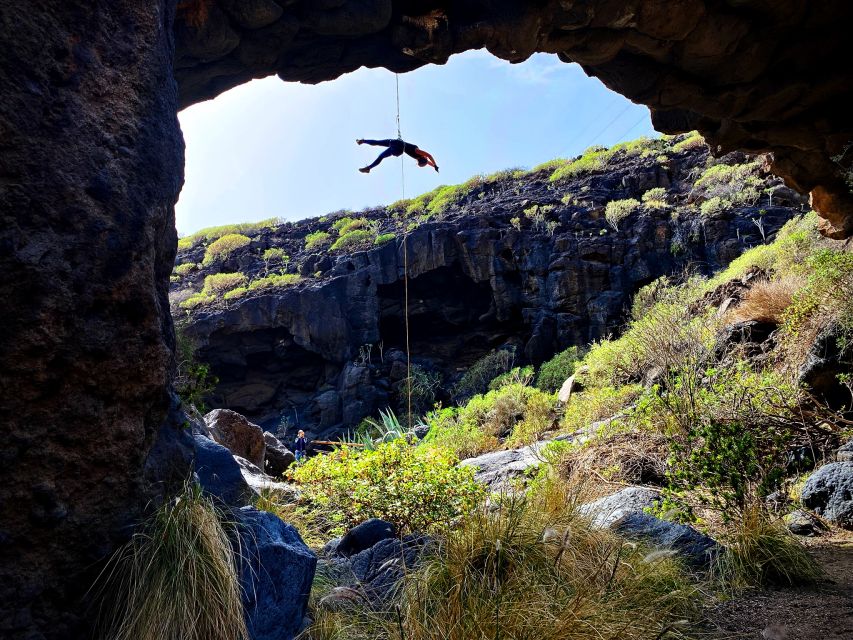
(223, 247)
(482, 372)
(518, 375)
(197, 300)
(185, 268)
(733, 185)
(538, 418)
(618, 210)
(176, 578)
(554, 372)
(345, 225)
(236, 292)
(417, 489)
(275, 254)
(597, 403)
(655, 198)
(382, 238)
(193, 380)
(593, 159)
(218, 283)
(316, 239)
(423, 385)
(351, 240)
(463, 438)
(214, 233)
(693, 141)
(275, 280)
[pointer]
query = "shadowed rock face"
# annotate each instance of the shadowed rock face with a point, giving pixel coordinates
(91, 161)
(756, 75)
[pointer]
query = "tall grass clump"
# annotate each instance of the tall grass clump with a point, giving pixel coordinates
(760, 552)
(177, 578)
(533, 568)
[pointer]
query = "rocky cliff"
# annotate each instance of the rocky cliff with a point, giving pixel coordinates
(516, 261)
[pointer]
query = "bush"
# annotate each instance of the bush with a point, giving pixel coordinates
(275, 254)
(351, 240)
(767, 301)
(316, 239)
(463, 438)
(176, 578)
(593, 159)
(482, 372)
(344, 225)
(655, 198)
(554, 372)
(236, 292)
(197, 300)
(219, 283)
(382, 238)
(597, 403)
(423, 384)
(713, 207)
(193, 380)
(275, 280)
(415, 488)
(732, 185)
(214, 233)
(223, 247)
(618, 210)
(693, 141)
(761, 552)
(185, 268)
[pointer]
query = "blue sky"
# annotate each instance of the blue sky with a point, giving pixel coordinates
(270, 148)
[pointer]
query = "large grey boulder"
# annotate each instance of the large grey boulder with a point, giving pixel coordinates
(364, 536)
(276, 574)
(845, 452)
(234, 431)
(219, 474)
(278, 457)
(259, 482)
(829, 493)
(498, 468)
(605, 511)
(696, 549)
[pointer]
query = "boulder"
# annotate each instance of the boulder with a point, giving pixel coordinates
(232, 430)
(845, 452)
(219, 474)
(276, 574)
(364, 536)
(829, 493)
(606, 511)
(497, 468)
(278, 457)
(803, 523)
(696, 549)
(259, 482)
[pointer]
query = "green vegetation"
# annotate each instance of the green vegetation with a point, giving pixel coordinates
(214, 233)
(382, 238)
(236, 292)
(617, 210)
(193, 380)
(345, 225)
(593, 159)
(275, 280)
(176, 578)
(352, 240)
(478, 376)
(223, 247)
(185, 268)
(692, 141)
(726, 186)
(196, 300)
(275, 254)
(316, 239)
(219, 283)
(655, 198)
(557, 370)
(416, 489)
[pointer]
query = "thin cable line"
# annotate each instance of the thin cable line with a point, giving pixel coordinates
(405, 264)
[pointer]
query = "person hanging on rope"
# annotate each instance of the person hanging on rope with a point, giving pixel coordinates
(397, 148)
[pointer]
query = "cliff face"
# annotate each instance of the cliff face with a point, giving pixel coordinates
(516, 262)
(755, 75)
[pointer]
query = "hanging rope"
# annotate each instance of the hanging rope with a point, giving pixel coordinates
(405, 264)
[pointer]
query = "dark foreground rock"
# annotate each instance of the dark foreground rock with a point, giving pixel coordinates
(219, 474)
(363, 536)
(697, 550)
(278, 457)
(276, 575)
(829, 493)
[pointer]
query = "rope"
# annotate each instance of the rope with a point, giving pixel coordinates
(405, 263)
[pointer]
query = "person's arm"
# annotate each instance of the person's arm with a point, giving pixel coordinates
(430, 160)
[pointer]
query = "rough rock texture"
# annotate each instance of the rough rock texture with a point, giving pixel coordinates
(484, 274)
(605, 511)
(241, 437)
(276, 575)
(219, 474)
(373, 575)
(749, 74)
(803, 523)
(696, 549)
(91, 162)
(364, 536)
(278, 457)
(497, 468)
(829, 493)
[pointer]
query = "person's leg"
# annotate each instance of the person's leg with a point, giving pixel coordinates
(375, 143)
(385, 154)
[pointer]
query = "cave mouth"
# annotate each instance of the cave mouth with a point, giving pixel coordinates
(453, 320)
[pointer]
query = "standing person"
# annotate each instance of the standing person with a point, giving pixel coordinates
(397, 148)
(299, 447)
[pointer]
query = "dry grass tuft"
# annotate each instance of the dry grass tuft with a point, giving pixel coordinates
(635, 457)
(176, 579)
(767, 300)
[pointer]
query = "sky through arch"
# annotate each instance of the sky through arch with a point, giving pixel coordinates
(270, 148)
